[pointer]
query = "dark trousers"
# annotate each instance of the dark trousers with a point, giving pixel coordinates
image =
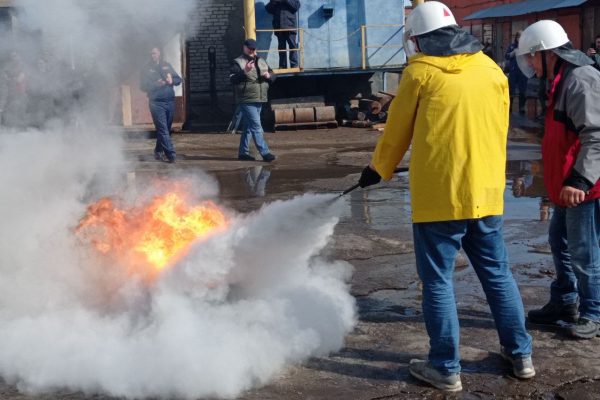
(517, 82)
(162, 116)
(288, 39)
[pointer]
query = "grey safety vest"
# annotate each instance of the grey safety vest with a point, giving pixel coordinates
(255, 88)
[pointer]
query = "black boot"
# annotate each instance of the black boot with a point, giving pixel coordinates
(551, 313)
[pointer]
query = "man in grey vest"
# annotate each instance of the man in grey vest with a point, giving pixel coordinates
(251, 76)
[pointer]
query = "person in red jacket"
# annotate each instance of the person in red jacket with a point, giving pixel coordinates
(571, 155)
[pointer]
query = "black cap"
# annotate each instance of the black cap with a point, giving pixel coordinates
(250, 43)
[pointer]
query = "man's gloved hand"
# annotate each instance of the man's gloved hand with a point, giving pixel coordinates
(368, 177)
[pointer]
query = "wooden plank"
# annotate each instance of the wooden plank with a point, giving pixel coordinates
(287, 70)
(314, 125)
(296, 102)
(126, 105)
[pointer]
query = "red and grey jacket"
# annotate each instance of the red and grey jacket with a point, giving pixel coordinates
(571, 144)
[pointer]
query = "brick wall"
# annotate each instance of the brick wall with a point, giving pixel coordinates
(216, 23)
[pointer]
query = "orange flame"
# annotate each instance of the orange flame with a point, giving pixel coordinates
(155, 235)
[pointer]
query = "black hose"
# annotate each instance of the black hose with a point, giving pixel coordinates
(353, 187)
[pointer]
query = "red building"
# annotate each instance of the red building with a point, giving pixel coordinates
(497, 21)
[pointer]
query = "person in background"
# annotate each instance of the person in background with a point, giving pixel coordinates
(251, 76)
(157, 79)
(457, 182)
(594, 52)
(285, 16)
(517, 82)
(3, 95)
(488, 50)
(571, 156)
(41, 89)
(13, 101)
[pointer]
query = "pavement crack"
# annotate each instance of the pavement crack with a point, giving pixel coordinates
(391, 396)
(583, 379)
(379, 289)
(377, 255)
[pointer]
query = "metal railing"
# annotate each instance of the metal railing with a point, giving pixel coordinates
(363, 41)
(363, 44)
(299, 49)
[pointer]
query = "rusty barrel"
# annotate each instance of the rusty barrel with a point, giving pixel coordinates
(325, 114)
(304, 115)
(284, 116)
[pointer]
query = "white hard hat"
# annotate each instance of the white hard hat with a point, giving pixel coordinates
(428, 17)
(425, 18)
(542, 35)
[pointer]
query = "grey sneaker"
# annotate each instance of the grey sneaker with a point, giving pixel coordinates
(522, 366)
(422, 370)
(584, 329)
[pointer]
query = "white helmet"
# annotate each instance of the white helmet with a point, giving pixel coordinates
(540, 36)
(425, 18)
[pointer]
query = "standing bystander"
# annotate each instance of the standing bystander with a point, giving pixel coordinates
(594, 52)
(251, 76)
(517, 82)
(13, 101)
(157, 79)
(285, 23)
(571, 156)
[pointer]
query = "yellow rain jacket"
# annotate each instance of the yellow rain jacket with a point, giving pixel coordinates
(454, 110)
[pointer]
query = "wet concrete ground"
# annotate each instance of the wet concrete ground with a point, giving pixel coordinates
(375, 236)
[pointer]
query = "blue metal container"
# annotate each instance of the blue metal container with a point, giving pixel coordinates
(342, 34)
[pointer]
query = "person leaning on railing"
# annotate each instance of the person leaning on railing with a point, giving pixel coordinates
(285, 16)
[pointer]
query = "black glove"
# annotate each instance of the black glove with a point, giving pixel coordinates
(368, 177)
(578, 181)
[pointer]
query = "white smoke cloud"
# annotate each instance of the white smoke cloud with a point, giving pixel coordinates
(231, 315)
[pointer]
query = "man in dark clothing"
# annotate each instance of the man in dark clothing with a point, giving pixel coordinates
(251, 76)
(157, 79)
(285, 16)
(516, 80)
(14, 92)
(571, 155)
(594, 52)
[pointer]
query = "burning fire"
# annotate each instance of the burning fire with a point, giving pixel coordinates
(151, 237)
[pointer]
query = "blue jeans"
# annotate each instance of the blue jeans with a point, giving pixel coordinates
(162, 116)
(252, 127)
(436, 246)
(573, 238)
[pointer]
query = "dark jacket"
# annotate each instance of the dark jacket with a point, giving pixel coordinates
(596, 59)
(512, 59)
(571, 144)
(284, 13)
(150, 79)
(250, 87)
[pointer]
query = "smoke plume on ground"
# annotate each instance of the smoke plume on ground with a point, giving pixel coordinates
(233, 313)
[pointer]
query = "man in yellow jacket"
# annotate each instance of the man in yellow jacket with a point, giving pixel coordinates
(452, 105)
